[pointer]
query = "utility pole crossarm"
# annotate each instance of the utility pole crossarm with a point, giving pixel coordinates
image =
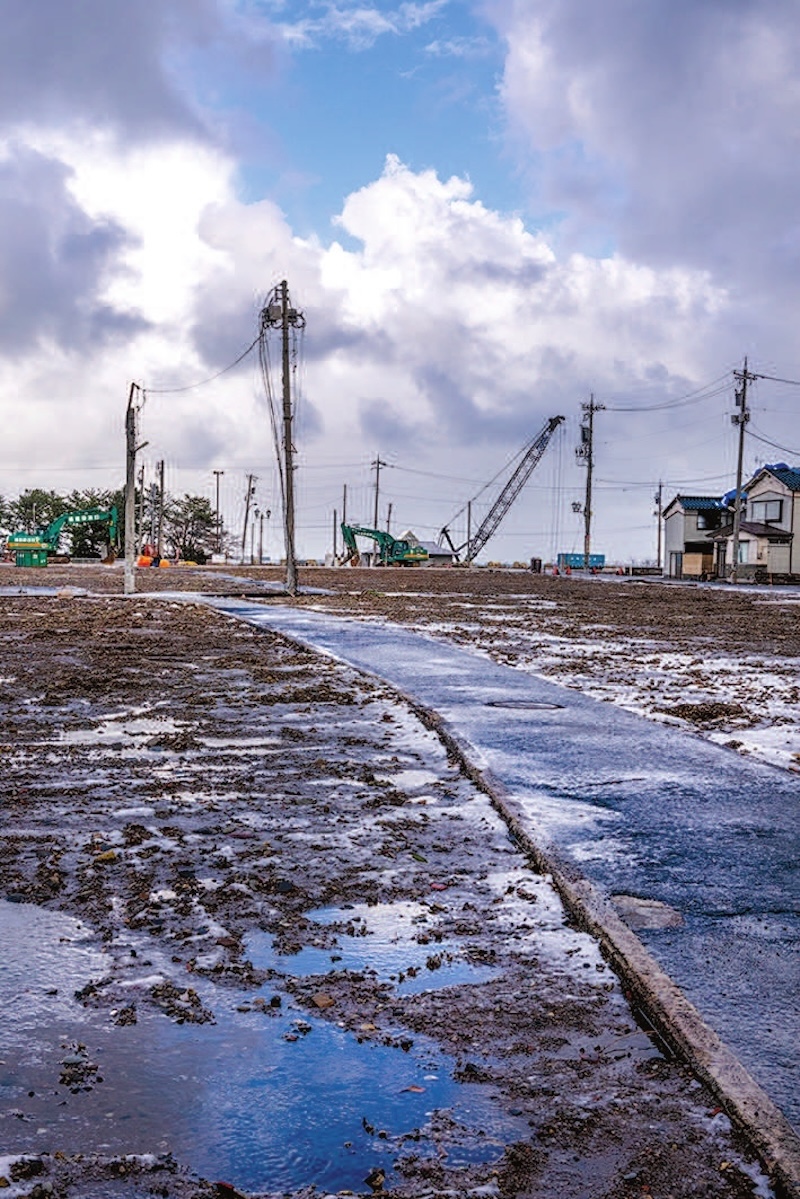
(511, 490)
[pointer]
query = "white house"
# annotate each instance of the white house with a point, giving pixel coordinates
(770, 519)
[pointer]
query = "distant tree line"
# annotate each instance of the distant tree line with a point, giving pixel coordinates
(188, 523)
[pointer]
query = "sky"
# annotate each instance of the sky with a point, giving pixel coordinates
(487, 211)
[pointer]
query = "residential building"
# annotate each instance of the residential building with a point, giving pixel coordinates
(770, 519)
(688, 519)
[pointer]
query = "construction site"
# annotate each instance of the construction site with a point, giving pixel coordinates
(260, 896)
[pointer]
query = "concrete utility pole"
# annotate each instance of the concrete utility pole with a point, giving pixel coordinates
(279, 314)
(389, 519)
(739, 418)
(130, 491)
(585, 452)
(251, 490)
(344, 504)
(335, 535)
(160, 545)
(658, 501)
(378, 463)
(469, 530)
(218, 525)
(140, 538)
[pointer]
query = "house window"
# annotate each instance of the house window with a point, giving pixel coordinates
(764, 511)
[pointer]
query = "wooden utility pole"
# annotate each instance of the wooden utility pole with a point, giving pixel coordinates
(378, 463)
(389, 519)
(344, 504)
(585, 452)
(739, 418)
(335, 535)
(658, 502)
(251, 479)
(160, 544)
(217, 474)
(130, 492)
(279, 315)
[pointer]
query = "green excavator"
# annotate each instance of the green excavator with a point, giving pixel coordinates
(391, 551)
(32, 549)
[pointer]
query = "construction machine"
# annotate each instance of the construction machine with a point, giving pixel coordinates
(32, 549)
(531, 456)
(391, 551)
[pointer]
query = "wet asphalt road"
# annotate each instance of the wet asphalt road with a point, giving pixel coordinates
(642, 809)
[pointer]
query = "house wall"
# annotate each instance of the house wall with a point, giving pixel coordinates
(673, 538)
(795, 556)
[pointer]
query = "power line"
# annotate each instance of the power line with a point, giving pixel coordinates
(701, 393)
(774, 444)
(162, 391)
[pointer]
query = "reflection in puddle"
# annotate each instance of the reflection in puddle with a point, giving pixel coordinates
(235, 1099)
(384, 942)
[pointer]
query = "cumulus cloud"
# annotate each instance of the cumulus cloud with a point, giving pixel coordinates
(54, 261)
(672, 124)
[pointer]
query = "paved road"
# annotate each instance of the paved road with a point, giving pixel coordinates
(643, 809)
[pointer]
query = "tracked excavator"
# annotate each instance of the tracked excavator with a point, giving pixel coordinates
(391, 551)
(33, 549)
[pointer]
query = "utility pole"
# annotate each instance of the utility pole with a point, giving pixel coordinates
(218, 525)
(739, 418)
(153, 503)
(261, 537)
(141, 508)
(278, 314)
(389, 519)
(344, 504)
(257, 515)
(130, 491)
(378, 463)
(657, 499)
(160, 546)
(251, 490)
(585, 452)
(469, 531)
(335, 515)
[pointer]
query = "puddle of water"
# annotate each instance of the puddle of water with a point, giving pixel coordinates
(385, 944)
(235, 1099)
(46, 957)
(114, 731)
(410, 780)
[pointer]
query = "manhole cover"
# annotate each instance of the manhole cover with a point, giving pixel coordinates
(522, 703)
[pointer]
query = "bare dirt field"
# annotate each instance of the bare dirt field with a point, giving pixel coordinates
(259, 928)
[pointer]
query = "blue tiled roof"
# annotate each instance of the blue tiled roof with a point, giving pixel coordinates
(789, 476)
(699, 503)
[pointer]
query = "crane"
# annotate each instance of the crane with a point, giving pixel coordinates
(531, 457)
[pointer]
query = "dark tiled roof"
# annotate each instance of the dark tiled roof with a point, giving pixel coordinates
(754, 528)
(698, 503)
(789, 476)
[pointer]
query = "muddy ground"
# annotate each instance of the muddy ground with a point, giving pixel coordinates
(183, 786)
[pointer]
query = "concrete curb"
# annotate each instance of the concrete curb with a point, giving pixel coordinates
(675, 1020)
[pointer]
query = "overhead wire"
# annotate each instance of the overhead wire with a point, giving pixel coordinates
(162, 391)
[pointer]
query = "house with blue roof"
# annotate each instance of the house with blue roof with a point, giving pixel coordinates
(688, 520)
(769, 534)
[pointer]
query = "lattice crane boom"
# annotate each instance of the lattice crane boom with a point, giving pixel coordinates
(509, 493)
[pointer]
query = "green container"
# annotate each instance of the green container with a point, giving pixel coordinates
(31, 557)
